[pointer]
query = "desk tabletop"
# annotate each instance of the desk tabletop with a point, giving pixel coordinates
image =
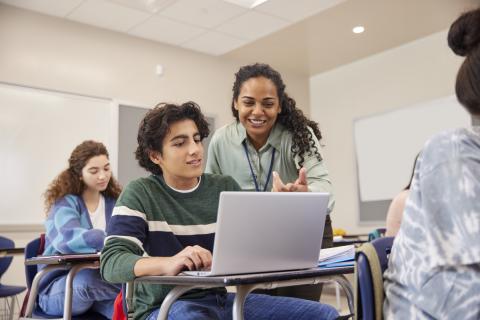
(355, 239)
(64, 259)
(345, 242)
(231, 280)
(8, 252)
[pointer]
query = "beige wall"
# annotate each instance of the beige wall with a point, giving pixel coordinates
(53, 53)
(419, 71)
(46, 52)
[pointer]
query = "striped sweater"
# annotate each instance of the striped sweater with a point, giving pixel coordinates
(152, 219)
(69, 230)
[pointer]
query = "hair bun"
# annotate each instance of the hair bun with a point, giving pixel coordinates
(464, 34)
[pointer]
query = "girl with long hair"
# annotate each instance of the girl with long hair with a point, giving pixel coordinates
(79, 203)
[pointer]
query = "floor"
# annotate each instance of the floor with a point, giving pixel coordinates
(329, 296)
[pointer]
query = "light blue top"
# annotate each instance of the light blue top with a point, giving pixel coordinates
(434, 267)
(226, 155)
(68, 229)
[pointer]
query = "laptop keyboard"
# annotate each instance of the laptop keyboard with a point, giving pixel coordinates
(195, 273)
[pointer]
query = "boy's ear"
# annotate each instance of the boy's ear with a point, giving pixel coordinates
(155, 157)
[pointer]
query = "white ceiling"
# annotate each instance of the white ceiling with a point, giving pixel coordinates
(325, 41)
(304, 36)
(210, 26)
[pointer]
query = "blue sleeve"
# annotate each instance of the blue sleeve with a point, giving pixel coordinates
(68, 232)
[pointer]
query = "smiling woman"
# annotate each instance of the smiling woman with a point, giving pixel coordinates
(270, 140)
(258, 107)
(270, 134)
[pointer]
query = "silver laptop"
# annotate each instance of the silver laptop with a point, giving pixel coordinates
(267, 232)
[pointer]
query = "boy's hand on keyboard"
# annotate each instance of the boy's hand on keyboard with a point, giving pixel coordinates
(190, 258)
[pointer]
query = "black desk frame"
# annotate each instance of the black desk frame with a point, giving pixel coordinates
(247, 283)
(10, 252)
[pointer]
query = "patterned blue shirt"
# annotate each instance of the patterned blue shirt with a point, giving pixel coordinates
(68, 229)
(434, 267)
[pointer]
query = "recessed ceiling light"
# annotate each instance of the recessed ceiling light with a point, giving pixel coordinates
(249, 4)
(358, 29)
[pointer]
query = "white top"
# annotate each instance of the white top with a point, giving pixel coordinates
(185, 191)
(98, 217)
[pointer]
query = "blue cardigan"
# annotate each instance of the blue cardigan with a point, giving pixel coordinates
(69, 230)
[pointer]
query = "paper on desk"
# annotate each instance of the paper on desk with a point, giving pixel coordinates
(349, 263)
(337, 256)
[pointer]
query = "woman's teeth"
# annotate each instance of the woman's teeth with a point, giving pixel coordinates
(257, 122)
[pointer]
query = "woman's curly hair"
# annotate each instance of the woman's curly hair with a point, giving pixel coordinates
(69, 180)
(290, 117)
(156, 125)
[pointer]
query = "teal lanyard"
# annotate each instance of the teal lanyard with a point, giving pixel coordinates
(251, 168)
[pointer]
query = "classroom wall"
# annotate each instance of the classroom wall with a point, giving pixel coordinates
(47, 52)
(416, 72)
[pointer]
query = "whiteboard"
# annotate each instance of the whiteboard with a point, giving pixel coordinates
(386, 144)
(38, 131)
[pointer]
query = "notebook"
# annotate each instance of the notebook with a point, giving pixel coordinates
(267, 232)
(342, 256)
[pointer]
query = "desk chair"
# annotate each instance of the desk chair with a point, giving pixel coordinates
(8, 292)
(377, 233)
(371, 261)
(30, 309)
